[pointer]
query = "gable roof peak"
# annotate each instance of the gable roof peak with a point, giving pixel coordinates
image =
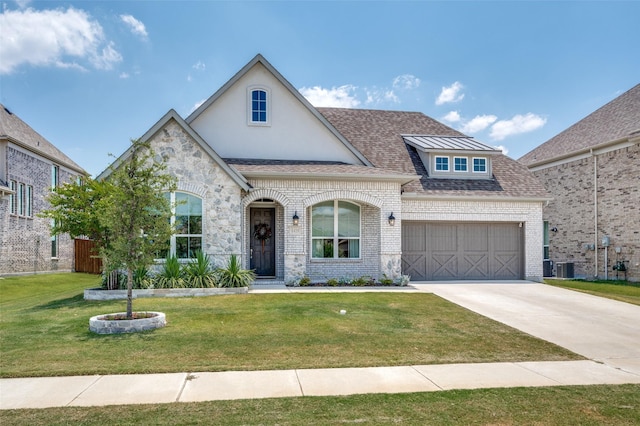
(15, 130)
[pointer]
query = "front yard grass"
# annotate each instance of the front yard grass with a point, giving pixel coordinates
(617, 290)
(567, 405)
(44, 332)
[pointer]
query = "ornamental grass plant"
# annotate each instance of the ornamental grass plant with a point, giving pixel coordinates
(233, 275)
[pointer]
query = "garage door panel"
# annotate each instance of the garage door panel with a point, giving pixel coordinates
(414, 265)
(476, 266)
(444, 265)
(448, 251)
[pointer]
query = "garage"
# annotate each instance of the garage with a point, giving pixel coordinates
(434, 251)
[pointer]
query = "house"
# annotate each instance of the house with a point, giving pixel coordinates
(341, 193)
(30, 166)
(592, 170)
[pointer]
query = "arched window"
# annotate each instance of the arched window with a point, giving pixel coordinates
(259, 108)
(187, 221)
(335, 230)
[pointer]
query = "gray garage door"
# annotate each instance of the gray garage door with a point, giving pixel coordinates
(433, 251)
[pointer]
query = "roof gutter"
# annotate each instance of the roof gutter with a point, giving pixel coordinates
(624, 142)
(426, 197)
(402, 179)
(22, 145)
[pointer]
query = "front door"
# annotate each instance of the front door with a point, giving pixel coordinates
(263, 246)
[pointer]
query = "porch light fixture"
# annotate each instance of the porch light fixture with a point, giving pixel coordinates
(296, 219)
(392, 219)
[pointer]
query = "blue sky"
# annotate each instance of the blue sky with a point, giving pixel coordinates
(91, 75)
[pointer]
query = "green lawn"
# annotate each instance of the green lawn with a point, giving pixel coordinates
(617, 290)
(574, 405)
(44, 332)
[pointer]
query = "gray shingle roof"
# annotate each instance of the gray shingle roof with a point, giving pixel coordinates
(313, 168)
(13, 129)
(378, 135)
(613, 121)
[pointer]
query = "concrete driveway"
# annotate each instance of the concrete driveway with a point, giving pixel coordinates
(600, 329)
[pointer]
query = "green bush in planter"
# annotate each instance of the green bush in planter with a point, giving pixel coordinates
(171, 275)
(233, 275)
(198, 274)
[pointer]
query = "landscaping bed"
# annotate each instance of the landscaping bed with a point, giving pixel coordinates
(102, 294)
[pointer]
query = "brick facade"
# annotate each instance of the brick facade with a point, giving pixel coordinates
(379, 242)
(573, 211)
(26, 241)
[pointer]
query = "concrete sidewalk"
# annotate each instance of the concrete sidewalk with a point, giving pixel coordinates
(42, 392)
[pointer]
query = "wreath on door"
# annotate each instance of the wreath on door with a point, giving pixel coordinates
(262, 233)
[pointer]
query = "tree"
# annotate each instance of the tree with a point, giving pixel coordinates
(128, 213)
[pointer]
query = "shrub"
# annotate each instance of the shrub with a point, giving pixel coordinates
(362, 281)
(304, 281)
(171, 275)
(333, 282)
(142, 278)
(233, 275)
(198, 274)
(403, 280)
(385, 280)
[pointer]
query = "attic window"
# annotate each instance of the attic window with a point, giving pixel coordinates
(442, 164)
(259, 108)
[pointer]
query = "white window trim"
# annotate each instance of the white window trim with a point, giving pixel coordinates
(13, 198)
(466, 170)
(486, 165)
(250, 121)
(172, 240)
(335, 237)
(435, 164)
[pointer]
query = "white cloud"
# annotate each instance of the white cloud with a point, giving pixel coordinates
(199, 66)
(377, 96)
(502, 148)
(406, 82)
(478, 123)
(124, 75)
(107, 58)
(134, 25)
(518, 124)
(197, 105)
(23, 3)
(452, 117)
(342, 97)
(450, 94)
(60, 35)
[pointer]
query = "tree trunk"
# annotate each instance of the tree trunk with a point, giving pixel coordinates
(129, 293)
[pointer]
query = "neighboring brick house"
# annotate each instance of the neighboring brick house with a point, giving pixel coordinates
(342, 193)
(592, 170)
(29, 167)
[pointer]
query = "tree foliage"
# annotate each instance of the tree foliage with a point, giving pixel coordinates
(127, 214)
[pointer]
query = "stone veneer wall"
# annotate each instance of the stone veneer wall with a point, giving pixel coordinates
(198, 174)
(529, 213)
(25, 242)
(572, 211)
(380, 243)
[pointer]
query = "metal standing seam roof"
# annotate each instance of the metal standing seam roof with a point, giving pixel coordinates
(453, 143)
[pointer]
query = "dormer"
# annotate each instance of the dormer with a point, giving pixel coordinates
(453, 157)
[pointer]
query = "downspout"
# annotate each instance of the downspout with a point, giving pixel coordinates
(595, 209)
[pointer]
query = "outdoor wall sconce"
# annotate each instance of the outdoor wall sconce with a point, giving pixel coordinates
(296, 219)
(554, 229)
(392, 219)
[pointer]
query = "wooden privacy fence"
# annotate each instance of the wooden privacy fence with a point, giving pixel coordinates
(86, 257)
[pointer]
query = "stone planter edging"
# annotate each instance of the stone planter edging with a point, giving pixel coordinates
(100, 294)
(103, 326)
